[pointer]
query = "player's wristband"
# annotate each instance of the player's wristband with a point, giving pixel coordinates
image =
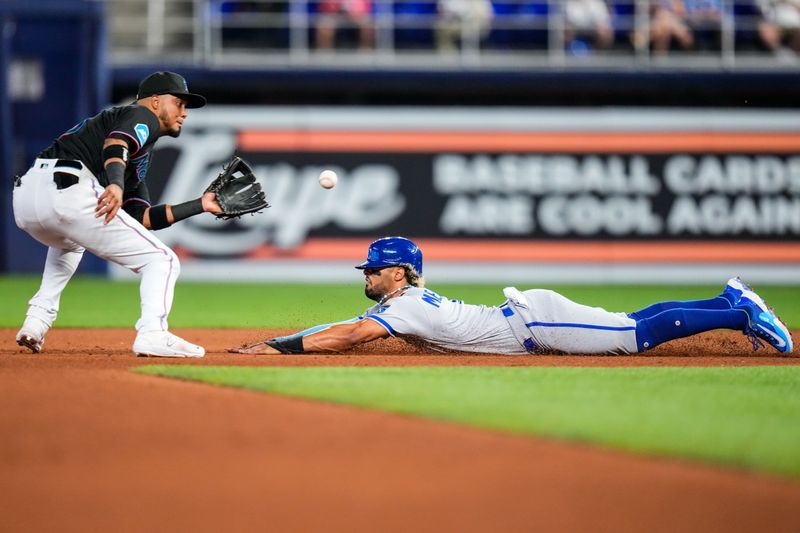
(158, 217)
(115, 174)
(287, 344)
(187, 209)
(116, 150)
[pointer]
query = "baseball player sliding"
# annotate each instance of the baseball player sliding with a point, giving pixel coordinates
(87, 191)
(533, 321)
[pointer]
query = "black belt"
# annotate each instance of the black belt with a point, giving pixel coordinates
(69, 163)
(65, 179)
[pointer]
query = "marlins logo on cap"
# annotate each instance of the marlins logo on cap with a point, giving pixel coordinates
(169, 83)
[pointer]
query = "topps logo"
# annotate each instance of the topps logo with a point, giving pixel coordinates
(367, 198)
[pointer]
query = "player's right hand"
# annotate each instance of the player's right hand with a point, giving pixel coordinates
(109, 203)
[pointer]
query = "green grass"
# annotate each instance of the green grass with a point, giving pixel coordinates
(743, 417)
(97, 302)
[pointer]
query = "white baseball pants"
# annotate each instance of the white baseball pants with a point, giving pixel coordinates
(554, 322)
(64, 220)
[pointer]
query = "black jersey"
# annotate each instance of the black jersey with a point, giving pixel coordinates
(136, 125)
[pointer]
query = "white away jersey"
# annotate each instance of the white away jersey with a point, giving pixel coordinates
(446, 324)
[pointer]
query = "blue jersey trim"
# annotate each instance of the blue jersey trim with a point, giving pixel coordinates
(385, 324)
(584, 326)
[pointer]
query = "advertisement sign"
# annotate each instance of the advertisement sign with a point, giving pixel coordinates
(494, 186)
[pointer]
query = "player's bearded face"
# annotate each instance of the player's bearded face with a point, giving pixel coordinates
(377, 282)
(172, 114)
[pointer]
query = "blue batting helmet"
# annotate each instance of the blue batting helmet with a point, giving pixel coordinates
(393, 251)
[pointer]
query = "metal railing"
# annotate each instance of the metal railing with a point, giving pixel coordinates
(397, 33)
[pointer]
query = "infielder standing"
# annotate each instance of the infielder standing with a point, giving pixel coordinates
(70, 201)
(534, 321)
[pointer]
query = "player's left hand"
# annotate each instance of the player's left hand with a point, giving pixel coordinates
(210, 204)
(237, 191)
(258, 348)
(109, 203)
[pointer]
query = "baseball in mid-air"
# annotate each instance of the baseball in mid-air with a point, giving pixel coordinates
(328, 179)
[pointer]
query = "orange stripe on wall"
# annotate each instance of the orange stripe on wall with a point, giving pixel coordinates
(552, 252)
(426, 141)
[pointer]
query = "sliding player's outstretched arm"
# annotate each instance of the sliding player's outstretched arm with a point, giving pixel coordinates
(335, 338)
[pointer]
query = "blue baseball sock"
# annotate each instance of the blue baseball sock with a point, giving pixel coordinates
(665, 321)
(719, 302)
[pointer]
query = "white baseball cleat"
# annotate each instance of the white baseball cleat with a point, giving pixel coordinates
(165, 344)
(31, 334)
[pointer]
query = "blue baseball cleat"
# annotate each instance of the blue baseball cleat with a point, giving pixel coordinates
(763, 322)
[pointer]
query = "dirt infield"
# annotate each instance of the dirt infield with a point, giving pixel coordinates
(87, 445)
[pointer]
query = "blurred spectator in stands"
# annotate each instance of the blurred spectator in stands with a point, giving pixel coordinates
(780, 24)
(587, 23)
(681, 20)
(667, 23)
(351, 13)
(462, 18)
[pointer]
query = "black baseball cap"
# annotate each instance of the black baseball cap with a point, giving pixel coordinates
(169, 83)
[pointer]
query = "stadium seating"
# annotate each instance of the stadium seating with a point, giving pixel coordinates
(517, 24)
